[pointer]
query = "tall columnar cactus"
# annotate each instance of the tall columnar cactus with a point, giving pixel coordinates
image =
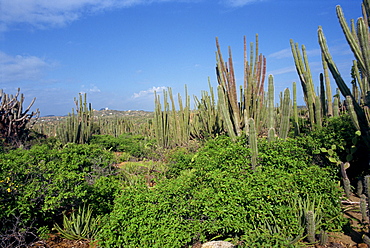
(285, 115)
(367, 189)
(336, 107)
(329, 101)
(363, 209)
(271, 110)
(161, 121)
(78, 126)
(232, 129)
(358, 40)
(295, 110)
(172, 127)
(305, 76)
(250, 104)
(318, 113)
(323, 102)
(14, 121)
(253, 142)
(206, 121)
(352, 112)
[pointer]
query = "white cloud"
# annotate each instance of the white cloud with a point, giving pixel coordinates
(284, 70)
(94, 89)
(285, 53)
(19, 68)
(149, 92)
(313, 52)
(239, 3)
(54, 13)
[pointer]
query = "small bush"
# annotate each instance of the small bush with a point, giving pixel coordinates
(177, 160)
(137, 146)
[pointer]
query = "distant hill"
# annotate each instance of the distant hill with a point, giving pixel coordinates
(106, 113)
(132, 113)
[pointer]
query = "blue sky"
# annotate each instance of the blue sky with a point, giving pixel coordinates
(120, 51)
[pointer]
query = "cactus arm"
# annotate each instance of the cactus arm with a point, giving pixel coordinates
(338, 78)
(329, 96)
(352, 113)
(253, 142)
(349, 36)
(331, 65)
(270, 106)
(286, 106)
(295, 110)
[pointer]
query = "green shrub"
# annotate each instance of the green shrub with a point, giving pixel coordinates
(338, 137)
(137, 146)
(224, 154)
(287, 154)
(177, 160)
(220, 196)
(38, 184)
(337, 131)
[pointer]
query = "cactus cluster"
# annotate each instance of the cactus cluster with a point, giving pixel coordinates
(77, 127)
(232, 111)
(206, 120)
(172, 127)
(320, 104)
(358, 100)
(236, 110)
(14, 121)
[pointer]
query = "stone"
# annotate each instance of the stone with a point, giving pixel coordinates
(218, 244)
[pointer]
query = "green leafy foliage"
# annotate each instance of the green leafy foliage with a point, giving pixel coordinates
(337, 141)
(137, 146)
(178, 159)
(220, 196)
(38, 184)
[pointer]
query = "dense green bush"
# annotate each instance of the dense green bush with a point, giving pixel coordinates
(339, 136)
(36, 185)
(337, 131)
(287, 154)
(220, 196)
(177, 160)
(137, 146)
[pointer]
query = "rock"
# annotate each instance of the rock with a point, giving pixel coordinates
(362, 245)
(218, 244)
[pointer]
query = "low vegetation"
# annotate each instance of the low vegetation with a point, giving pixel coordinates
(238, 167)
